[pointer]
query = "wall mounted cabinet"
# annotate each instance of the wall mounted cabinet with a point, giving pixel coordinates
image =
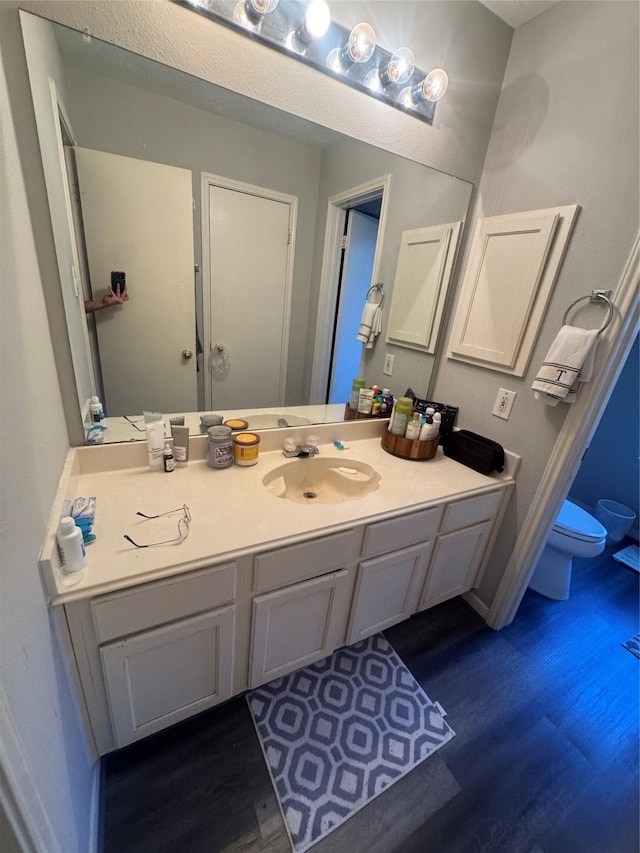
(513, 264)
(423, 274)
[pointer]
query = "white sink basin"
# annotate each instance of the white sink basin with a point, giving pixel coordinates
(322, 481)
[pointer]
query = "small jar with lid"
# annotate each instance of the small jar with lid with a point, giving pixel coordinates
(219, 447)
(246, 446)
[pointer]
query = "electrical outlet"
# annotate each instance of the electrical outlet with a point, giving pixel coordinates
(503, 404)
(388, 364)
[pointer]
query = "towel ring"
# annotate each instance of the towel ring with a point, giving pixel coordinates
(377, 287)
(594, 296)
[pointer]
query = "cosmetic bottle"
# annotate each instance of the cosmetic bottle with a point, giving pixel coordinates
(413, 427)
(97, 412)
(355, 393)
(155, 443)
(71, 546)
(180, 435)
(167, 457)
(401, 414)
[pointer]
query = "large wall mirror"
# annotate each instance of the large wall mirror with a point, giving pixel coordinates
(232, 222)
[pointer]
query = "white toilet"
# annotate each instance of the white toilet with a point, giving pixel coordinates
(574, 534)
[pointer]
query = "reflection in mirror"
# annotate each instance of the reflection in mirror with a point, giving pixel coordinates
(232, 222)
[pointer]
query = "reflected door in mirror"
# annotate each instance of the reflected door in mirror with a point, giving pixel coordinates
(138, 219)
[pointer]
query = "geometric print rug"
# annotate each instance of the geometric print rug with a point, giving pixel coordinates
(633, 645)
(339, 732)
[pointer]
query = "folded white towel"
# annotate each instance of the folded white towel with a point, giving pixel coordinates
(569, 361)
(370, 324)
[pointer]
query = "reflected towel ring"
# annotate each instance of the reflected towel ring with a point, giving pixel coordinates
(594, 296)
(379, 287)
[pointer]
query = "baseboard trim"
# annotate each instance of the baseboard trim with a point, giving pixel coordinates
(476, 604)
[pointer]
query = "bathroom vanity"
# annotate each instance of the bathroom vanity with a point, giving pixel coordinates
(262, 585)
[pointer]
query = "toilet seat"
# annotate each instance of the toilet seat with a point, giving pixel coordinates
(576, 523)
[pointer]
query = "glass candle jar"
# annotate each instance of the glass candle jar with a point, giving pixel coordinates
(246, 446)
(219, 447)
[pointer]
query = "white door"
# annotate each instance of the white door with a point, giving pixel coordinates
(362, 233)
(138, 219)
(247, 255)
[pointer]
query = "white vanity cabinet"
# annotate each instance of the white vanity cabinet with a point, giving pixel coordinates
(154, 654)
(150, 655)
(389, 584)
(460, 547)
(295, 624)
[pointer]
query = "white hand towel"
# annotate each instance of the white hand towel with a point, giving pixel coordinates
(569, 361)
(370, 324)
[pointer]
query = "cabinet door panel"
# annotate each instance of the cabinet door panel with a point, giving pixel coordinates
(158, 677)
(295, 626)
(455, 563)
(387, 590)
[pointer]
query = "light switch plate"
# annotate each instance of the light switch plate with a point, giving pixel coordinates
(388, 364)
(503, 404)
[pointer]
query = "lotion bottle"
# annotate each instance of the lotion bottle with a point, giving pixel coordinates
(97, 412)
(413, 428)
(71, 546)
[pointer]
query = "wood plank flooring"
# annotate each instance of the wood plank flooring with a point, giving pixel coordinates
(545, 758)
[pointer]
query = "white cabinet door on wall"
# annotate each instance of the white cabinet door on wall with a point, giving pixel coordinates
(512, 266)
(425, 264)
(387, 590)
(456, 559)
(158, 677)
(297, 625)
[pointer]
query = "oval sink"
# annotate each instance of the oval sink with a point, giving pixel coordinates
(322, 481)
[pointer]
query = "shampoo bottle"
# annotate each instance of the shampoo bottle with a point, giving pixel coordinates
(71, 546)
(401, 414)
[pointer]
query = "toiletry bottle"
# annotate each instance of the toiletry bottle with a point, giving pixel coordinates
(413, 427)
(365, 401)
(97, 412)
(401, 414)
(167, 456)
(71, 546)
(180, 435)
(358, 383)
(437, 421)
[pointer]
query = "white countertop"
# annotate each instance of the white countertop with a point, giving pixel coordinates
(232, 512)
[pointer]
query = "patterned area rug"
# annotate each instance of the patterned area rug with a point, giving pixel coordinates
(633, 645)
(339, 732)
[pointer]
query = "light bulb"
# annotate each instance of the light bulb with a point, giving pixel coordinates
(359, 48)
(434, 85)
(317, 19)
(249, 13)
(400, 67)
(314, 25)
(362, 42)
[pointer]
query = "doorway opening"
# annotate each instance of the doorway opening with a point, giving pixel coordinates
(353, 236)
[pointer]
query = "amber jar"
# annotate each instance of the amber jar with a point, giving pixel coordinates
(246, 446)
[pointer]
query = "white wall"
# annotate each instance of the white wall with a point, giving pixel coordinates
(565, 131)
(41, 744)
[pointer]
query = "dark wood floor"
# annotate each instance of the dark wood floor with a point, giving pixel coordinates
(545, 758)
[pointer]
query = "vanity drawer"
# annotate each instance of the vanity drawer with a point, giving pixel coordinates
(301, 562)
(385, 536)
(120, 613)
(471, 511)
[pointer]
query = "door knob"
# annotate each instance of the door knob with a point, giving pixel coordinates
(187, 354)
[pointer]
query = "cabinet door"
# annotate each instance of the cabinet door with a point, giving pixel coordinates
(455, 563)
(294, 626)
(387, 590)
(158, 677)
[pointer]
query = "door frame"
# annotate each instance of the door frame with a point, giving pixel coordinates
(337, 207)
(208, 180)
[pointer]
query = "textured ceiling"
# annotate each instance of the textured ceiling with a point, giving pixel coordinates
(517, 12)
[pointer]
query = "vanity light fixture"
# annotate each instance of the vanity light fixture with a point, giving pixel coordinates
(304, 30)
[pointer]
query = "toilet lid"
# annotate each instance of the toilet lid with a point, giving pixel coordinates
(577, 523)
